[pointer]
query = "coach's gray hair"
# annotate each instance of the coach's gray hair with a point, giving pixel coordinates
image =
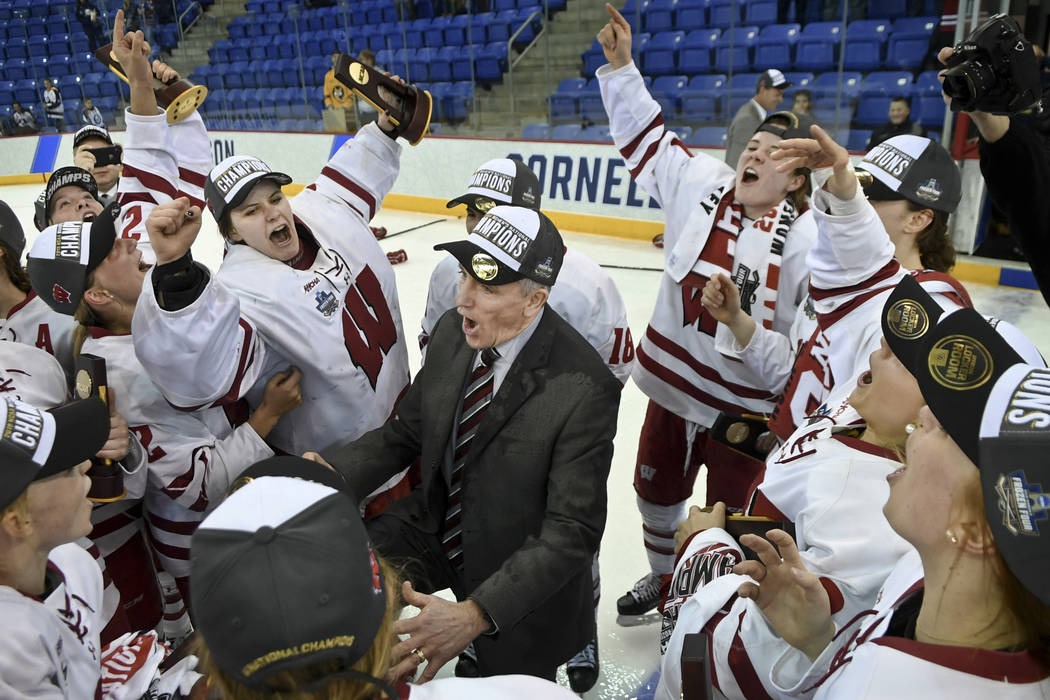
(528, 286)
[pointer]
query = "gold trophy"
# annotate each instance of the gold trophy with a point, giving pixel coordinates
(410, 108)
(178, 98)
(107, 479)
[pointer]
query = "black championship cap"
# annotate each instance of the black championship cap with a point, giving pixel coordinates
(91, 132)
(510, 243)
(783, 124)
(64, 255)
(1015, 440)
(230, 181)
(36, 444)
(63, 177)
(11, 231)
(501, 181)
(40, 210)
(772, 78)
(296, 468)
(284, 576)
(914, 168)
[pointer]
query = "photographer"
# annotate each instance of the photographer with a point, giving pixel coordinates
(1008, 145)
(94, 151)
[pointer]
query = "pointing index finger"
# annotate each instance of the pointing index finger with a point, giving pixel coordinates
(615, 14)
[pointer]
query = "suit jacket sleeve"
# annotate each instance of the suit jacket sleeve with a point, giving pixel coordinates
(575, 511)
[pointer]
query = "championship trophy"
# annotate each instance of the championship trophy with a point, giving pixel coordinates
(178, 98)
(408, 106)
(107, 479)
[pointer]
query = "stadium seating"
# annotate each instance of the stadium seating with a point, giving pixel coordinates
(710, 136)
(703, 98)
(661, 53)
(775, 45)
(733, 49)
(695, 52)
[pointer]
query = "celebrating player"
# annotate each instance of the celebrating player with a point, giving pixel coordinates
(829, 479)
(968, 610)
(751, 224)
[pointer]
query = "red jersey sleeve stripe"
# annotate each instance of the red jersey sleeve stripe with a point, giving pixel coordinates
(628, 150)
(348, 184)
(151, 180)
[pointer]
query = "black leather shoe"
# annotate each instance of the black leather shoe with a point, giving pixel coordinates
(582, 669)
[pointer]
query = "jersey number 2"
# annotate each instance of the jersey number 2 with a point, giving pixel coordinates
(368, 334)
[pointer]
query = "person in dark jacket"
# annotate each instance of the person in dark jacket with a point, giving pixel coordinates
(900, 123)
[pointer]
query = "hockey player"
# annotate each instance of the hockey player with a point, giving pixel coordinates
(51, 589)
(753, 225)
(968, 613)
(829, 479)
(303, 283)
(585, 296)
(868, 239)
(191, 457)
(27, 319)
(71, 194)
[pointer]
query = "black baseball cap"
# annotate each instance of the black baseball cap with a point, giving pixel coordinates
(1015, 472)
(914, 168)
(501, 181)
(772, 78)
(283, 576)
(40, 210)
(783, 124)
(11, 231)
(70, 175)
(36, 444)
(230, 181)
(64, 255)
(91, 132)
(296, 468)
(508, 244)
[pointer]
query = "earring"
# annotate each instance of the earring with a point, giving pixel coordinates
(909, 428)
(951, 537)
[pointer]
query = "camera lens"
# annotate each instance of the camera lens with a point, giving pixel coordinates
(968, 82)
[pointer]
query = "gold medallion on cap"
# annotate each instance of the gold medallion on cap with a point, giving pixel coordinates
(483, 204)
(959, 362)
(485, 266)
(907, 319)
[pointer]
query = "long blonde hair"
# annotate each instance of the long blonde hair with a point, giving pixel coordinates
(289, 685)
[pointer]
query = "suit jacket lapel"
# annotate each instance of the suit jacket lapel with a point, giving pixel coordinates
(519, 383)
(441, 401)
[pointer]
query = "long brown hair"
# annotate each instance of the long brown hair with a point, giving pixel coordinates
(13, 267)
(288, 685)
(936, 250)
(85, 318)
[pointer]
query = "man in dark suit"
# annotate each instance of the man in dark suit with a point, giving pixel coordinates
(512, 417)
(769, 91)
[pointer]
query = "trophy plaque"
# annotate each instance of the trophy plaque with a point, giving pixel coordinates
(745, 433)
(107, 479)
(410, 108)
(178, 98)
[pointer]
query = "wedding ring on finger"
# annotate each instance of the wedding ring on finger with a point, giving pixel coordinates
(419, 654)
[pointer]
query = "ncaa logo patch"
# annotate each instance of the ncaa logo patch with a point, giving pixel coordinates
(327, 304)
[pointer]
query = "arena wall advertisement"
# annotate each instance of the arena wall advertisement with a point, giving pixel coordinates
(586, 186)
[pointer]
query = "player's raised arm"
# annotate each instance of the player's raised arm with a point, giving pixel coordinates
(615, 38)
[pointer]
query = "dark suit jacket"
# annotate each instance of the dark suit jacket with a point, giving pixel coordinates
(534, 486)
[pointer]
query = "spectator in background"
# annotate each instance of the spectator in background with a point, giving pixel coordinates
(900, 123)
(337, 97)
(53, 105)
(802, 106)
(769, 91)
(106, 176)
(91, 20)
(89, 114)
(22, 121)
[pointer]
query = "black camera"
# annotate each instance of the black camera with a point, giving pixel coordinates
(994, 70)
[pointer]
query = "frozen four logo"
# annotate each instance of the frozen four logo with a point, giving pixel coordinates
(504, 235)
(1021, 503)
(929, 190)
(229, 178)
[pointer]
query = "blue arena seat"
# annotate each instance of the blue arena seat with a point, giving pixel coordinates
(565, 102)
(668, 90)
(733, 50)
(684, 133)
(596, 132)
(566, 132)
(695, 53)
(710, 136)
(760, 12)
(661, 53)
(659, 16)
(691, 15)
(591, 106)
(536, 132)
(775, 45)
(889, 83)
(724, 13)
(703, 98)
(907, 50)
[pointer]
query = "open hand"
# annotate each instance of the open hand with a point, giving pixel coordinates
(173, 227)
(615, 38)
(821, 151)
(439, 632)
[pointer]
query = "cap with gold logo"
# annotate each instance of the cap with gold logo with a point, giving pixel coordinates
(501, 181)
(907, 316)
(508, 244)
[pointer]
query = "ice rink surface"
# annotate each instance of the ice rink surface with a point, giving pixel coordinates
(629, 655)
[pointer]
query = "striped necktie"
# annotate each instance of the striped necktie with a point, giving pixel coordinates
(476, 400)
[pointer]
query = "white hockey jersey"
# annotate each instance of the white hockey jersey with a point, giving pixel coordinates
(160, 164)
(584, 295)
(50, 647)
(511, 687)
(32, 375)
(339, 321)
(191, 457)
(35, 323)
(833, 487)
(678, 364)
(862, 662)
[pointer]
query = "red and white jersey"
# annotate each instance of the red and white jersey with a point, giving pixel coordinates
(32, 375)
(862, 661)
(832, 486)
(852, 273)
(339, 320)
(512, 687)
(584, 295)
(161, 162)
(35, 323)
(50, 647)
(678, 364)
(191, 457)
